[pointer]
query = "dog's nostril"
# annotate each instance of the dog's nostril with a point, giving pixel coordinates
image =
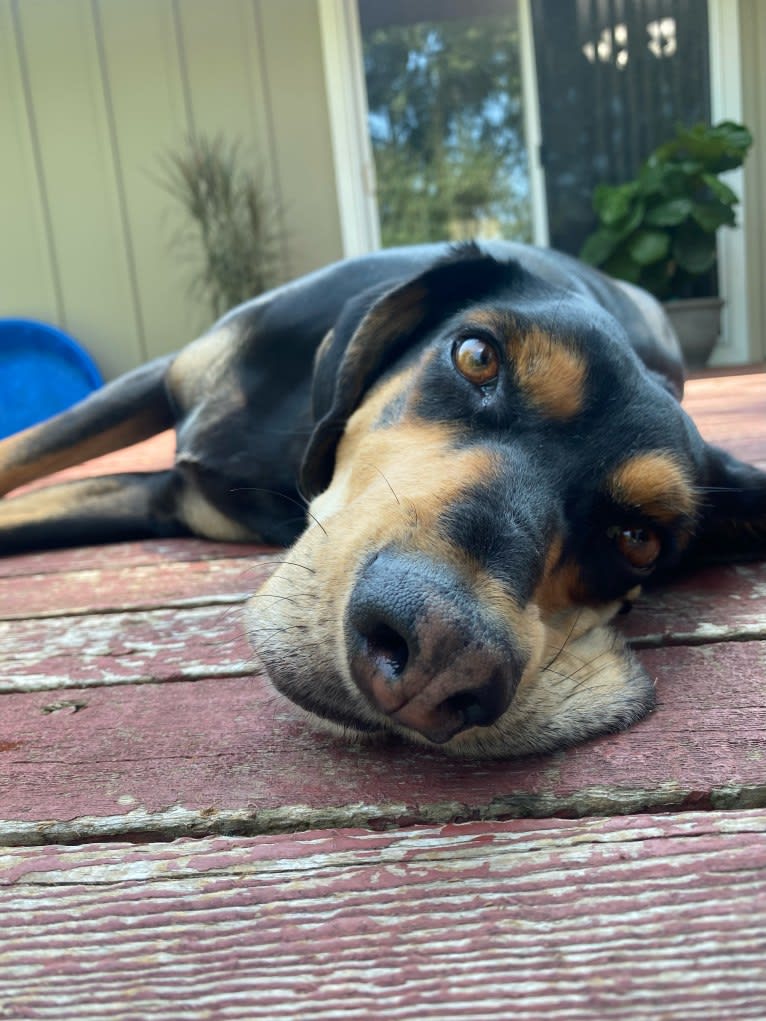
(470, 708)
(387, 648)
(481, 706)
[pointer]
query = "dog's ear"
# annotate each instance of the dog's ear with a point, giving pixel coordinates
(732, 519)
(378, 327)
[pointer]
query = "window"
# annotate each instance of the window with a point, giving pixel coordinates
(445, 115)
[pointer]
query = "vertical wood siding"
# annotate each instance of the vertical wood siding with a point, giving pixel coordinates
(92, 93)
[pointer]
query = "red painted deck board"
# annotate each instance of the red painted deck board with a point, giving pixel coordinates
(141, 553)
(650, 917)
(731, 412)
(124, 648)
(64, 593)
(226, 753)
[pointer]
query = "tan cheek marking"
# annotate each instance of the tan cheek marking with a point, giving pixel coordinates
(522, 622)
(551, 374)
(390, 486)
(360, 425)
(655, 484)
(561, 585)
(552, 592)
(364, 419)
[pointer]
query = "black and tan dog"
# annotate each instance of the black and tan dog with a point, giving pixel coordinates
(496, 459)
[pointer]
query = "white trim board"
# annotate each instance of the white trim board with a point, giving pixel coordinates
(347, 107)
(726, 104)
(532, 129)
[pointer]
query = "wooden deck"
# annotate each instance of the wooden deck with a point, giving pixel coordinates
(176, 842)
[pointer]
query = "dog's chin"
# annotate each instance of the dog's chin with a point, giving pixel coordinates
(594, 686)
(349, 733)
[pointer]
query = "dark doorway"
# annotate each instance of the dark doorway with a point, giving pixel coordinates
(615, 78)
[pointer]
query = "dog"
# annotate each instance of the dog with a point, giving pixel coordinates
(478, 455)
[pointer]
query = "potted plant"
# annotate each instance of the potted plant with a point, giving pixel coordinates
(232, 234)
(659, 230)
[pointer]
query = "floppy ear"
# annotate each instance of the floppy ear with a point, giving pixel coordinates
(732, 522)
(374, 330)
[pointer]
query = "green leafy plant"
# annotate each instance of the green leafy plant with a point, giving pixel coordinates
(233, 242)
(659, 230)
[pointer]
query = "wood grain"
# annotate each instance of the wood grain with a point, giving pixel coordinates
(229, 755)
(652, 917)
(722, 603)
(179, 583)
(182, 619)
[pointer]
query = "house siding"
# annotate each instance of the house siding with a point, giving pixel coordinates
(94, 92)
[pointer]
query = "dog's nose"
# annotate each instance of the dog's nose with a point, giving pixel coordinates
(423, 650)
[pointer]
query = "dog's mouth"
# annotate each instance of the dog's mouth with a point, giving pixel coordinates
(415, 652)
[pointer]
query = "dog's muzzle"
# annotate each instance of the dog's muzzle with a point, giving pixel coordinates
(424, 651)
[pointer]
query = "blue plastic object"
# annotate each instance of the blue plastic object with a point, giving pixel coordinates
(42, 371)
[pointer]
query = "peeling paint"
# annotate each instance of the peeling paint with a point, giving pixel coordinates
(179, 822)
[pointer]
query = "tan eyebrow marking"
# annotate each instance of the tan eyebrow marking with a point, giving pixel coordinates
(655, 483)
(550, 373)
(499, 322)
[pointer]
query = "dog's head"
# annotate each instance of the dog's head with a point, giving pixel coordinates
(494, 475)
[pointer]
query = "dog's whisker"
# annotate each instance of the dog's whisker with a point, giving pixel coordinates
(566, 640)
(292, 563)
(589, 664)
(588, 680)
(294, 599)
(393, 491)
(267, 492)
(723, 489)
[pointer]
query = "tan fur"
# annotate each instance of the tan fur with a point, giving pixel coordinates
(390, 485)
(202, 517)
(561, 585)
(551, 374)
(654, 484)
(17, 466)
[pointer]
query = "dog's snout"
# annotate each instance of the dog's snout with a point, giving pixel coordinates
(424, 651)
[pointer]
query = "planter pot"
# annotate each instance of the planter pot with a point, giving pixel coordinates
(697, 322)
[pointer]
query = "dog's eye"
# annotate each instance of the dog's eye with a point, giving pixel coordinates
(640, 546)
(476, 360)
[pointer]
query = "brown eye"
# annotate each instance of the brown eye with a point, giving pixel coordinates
(477, 360)
(639, 546)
